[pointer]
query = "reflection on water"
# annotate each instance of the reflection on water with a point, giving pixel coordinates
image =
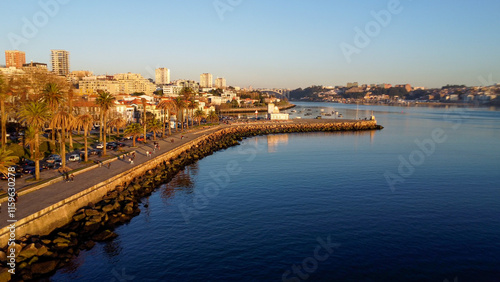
(273, 141)
(112, 248)
(181, 182)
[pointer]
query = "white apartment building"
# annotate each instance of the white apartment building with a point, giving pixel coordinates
(60, 62)
(162, 76)
(206, 80)
(220, 82)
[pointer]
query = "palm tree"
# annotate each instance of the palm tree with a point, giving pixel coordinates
(167, 107)
(3, 98)
(199, 115)
(155, 126)
(62, 120)
(53, 97)
(135, 130)
(105, 101)
(180, 105)
(192, 105)
(187, 93)
(117, 123)
(70, 111)
(144, 120)
(6, 160)
(35, 114)
(85, 122)
(212, 116)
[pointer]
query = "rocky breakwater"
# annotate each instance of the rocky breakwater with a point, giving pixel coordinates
(38, 257)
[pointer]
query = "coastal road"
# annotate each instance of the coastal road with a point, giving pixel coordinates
(37, 200)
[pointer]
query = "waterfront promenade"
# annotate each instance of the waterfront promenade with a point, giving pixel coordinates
(32, 202)
(36, 199)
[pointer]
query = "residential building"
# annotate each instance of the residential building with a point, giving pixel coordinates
(220, 82)
(352, 84)
(171, 90)
(35, 65)
(124, 83)
(206, 80)
(15, 58)
(188, 83)
(162, 76)
(60, 62)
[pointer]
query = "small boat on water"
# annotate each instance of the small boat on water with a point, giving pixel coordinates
(293, 111)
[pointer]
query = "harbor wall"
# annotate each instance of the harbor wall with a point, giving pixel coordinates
(59, 214)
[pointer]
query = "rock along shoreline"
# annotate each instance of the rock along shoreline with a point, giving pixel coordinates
(38, 257)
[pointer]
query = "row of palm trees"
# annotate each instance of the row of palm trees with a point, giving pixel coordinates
(53, 108)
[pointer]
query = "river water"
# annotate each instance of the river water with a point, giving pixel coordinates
(416, 201)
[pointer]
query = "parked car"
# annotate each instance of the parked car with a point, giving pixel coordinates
(74, 158)
(30, 170)
(6, 176)
(26, 163)
(111, 145)
(120, 144)
(52, 158)
(99, 146)
(127, 138)
(140, 138)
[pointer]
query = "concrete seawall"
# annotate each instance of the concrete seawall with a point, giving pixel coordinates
(59, 214)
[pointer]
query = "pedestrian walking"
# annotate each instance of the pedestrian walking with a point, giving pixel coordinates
(15, 197)
(72, 177)
(100, 163)
(130, 161)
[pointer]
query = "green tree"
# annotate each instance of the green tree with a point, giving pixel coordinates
(167, 107)
(62, 120)
(212, 116)
(144, 116)
(192, 105)
(53, 97)
(4, 94)
(135, 130)
(199, 115)
(105, 101)
(180, 105)
(155, 126)
(85, 122)
(35, 115)
(7, 160)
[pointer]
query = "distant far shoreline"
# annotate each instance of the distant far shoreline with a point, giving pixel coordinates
(252, 110)
(410, 104)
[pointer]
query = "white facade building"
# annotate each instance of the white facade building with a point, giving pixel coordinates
(162, 76)
(206, 80)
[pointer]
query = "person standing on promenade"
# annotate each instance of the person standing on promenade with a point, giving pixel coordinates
(72, 177)
(109, 165)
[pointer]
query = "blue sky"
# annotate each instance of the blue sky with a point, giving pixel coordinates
(265, 43)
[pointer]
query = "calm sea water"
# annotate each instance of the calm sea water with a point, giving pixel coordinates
(365, 206)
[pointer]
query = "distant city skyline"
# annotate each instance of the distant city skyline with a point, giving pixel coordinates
(282, 44)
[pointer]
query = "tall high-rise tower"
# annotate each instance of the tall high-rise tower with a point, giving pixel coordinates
(220, 82)
(14, 58)
(60, 62)
(206, 80)
(162, 76)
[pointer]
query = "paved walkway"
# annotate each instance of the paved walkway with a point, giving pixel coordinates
(35, 201)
